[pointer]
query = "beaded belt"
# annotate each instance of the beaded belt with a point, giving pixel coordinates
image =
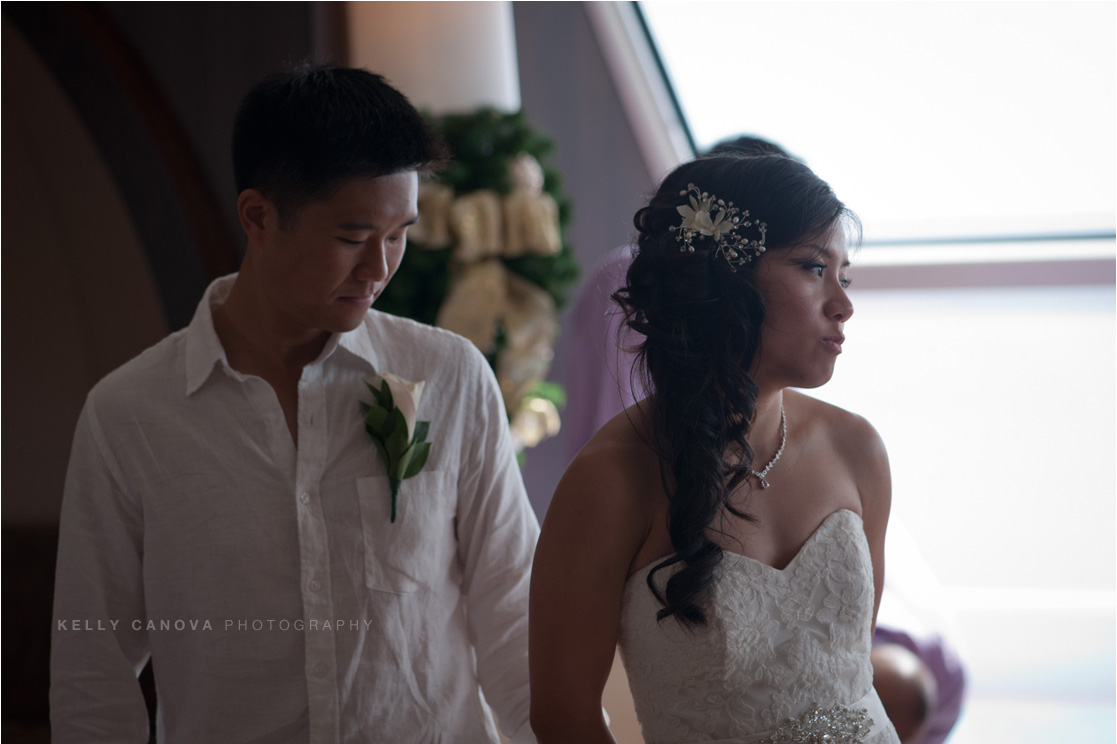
(834, 725)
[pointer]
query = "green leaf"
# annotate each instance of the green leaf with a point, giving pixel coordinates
(375, 393)
(386, 393)
(418, 454)
(421, 429)
(383, 452)
(404, 460)
(388, 426)
(396, 432)
(376, 417)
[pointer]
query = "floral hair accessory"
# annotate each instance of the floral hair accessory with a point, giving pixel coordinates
(706, 215)
(391, 422)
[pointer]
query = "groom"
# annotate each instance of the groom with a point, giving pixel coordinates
(228, 515)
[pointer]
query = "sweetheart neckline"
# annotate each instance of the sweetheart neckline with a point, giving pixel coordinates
(764, 566)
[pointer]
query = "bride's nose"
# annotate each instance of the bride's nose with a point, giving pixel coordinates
(839, 306)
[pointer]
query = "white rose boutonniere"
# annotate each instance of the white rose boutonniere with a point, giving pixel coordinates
(391, 422)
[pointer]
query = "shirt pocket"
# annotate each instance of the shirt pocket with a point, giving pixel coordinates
(417, 550)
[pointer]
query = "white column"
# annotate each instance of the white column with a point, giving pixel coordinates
(447, 57)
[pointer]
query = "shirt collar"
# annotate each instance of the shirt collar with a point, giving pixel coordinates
(357, 342)
(204, 351)
(203, 347)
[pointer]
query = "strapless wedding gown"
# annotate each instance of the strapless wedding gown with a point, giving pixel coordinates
(783, 659)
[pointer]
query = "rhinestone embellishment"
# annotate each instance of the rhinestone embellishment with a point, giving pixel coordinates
(834, 725)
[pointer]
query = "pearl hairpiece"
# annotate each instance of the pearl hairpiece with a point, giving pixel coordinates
(706, 215)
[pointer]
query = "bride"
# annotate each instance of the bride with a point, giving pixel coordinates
(727, 531)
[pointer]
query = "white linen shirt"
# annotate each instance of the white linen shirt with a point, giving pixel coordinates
(275, 598)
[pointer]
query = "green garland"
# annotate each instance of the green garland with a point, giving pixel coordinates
(484, 143)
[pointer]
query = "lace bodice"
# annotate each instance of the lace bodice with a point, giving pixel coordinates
(784, 657)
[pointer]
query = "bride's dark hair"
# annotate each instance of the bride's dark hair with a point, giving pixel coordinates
(701, 327)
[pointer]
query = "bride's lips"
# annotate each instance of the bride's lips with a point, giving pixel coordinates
(834, 343)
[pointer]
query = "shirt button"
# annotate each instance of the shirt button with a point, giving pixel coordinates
(315, 585)
(320, 670)
(304, 497)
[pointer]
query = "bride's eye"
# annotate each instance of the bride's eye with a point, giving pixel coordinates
(815, 268)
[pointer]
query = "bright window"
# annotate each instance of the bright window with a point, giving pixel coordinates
(930, 119)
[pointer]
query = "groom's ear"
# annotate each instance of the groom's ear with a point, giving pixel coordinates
(257, 214)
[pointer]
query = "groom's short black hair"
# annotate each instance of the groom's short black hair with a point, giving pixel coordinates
(299, 134)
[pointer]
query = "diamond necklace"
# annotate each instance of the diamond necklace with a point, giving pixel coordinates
(776, 457)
